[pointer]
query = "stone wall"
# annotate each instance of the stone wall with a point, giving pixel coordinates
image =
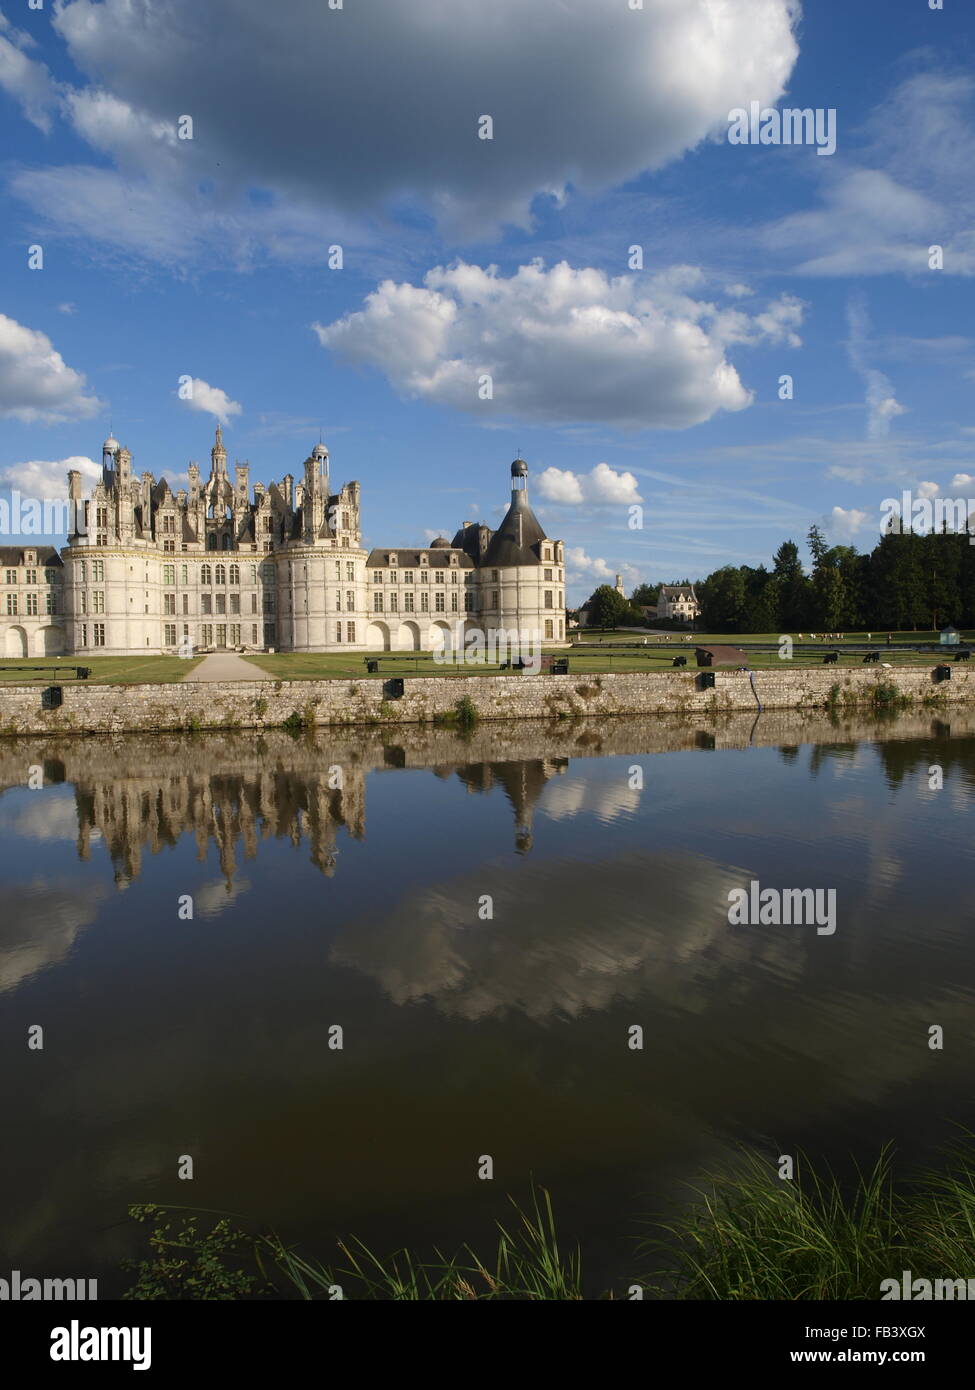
(89, 708)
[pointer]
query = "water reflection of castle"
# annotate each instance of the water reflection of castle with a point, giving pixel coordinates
(264, 789)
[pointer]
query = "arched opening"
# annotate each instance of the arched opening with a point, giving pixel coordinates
(438, 636)
(377, 637)
(16, 642)
(409, 638)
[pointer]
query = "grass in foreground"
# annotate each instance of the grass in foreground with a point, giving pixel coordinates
(105, 670)
(747, 1234)
(588, 661)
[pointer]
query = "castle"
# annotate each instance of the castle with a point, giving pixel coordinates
(149, 571)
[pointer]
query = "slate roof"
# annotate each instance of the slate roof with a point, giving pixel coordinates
(47, 557)
(517, 539)
(410, 559)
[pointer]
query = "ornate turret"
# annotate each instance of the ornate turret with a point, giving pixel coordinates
(218, 456)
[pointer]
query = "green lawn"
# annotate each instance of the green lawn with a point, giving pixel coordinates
(105, 670)
(287, 666)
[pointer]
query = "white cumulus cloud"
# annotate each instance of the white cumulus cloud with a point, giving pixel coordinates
(35, 381)
(844, 523)
(47, 480)
(584, 95)
(212, 401)
(559, 345)
(603, 485)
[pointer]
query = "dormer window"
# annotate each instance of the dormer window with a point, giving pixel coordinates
(393, 559)
(424, 559)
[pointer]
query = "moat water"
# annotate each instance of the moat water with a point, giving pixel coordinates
(360, 905)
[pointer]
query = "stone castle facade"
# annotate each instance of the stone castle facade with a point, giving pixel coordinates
(280, 568)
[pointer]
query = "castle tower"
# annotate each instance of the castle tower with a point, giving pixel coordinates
(109, 449)
(218, 457)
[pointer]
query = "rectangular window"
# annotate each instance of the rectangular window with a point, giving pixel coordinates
(235, 574)
(221, 634)
(548, 598)
(235, 634)
(408, 602)
(424, 603)
(169, 574)
(254, 634)
(51, 602)
(206, 604)
(453, 603)
(221, 603)
(377, 603)
(186, 603)
(235, 603)
(32, 605)
(394, 603)
(338, 600)
(453, 577)
(548, 628)
(11, 575)
(440, 603)
(494, 596)
(169, 604)
(424, 576)
(438, 577)
(254, 606)
(349, 601)
(84, 634)
(407, 576)
(548, 576)
(99, 634)
(97, 571)
(184, 574)
(349, 571)
(269, 635)
(169, 547)
(98, 601)
(350, 632)
(30, 577)
(338, 569)
(377, 576)
(169, 638)
(268, 600)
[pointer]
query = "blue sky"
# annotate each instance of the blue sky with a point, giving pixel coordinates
(208, 258)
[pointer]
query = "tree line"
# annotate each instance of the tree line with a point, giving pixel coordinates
(908, 581)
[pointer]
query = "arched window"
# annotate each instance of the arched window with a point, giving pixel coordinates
(211, 541)
(220, 575)
(206, 576)
(235, 574)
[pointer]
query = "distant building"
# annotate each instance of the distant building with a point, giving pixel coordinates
(678, 601)
(147, 570)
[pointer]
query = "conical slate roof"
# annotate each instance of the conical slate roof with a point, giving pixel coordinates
(516, 540)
